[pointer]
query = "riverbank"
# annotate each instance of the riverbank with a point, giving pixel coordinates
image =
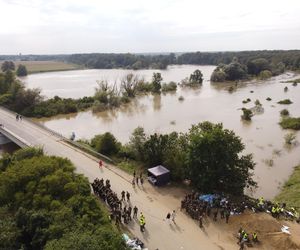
(291, 190)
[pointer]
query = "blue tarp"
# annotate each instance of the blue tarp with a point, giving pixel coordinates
(208, 197)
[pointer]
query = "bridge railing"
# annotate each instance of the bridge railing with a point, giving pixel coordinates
(59, 135)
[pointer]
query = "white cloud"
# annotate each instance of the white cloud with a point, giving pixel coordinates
(69, 26)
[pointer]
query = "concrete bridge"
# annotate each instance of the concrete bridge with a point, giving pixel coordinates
(154, 203)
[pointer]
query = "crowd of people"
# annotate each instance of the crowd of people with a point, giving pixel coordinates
(200, 208)
(121, 210)
(223, 206)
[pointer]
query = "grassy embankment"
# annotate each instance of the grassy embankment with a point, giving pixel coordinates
(46, 66)
(291, 190)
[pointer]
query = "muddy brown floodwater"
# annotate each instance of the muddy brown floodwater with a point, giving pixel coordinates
(165, 113)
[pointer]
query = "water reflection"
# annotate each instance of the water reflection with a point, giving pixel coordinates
(156, 102)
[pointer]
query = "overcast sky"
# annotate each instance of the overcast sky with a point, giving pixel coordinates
(76, 26)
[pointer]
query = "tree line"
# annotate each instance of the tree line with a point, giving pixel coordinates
(29, 102)
(44, 204)
(208, 155)
(289, 58)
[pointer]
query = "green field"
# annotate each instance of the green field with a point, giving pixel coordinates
(290, 193)
(46, 66)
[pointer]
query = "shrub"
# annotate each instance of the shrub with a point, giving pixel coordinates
(284, 112)
(286, 89)
(181, 98)
(247, 100)
(269, 99)
(290, 138)
(290, 123)
(257, 103)
(98, 106)
(285, 101)
(247, 114)
(171, 86)
(106, 144)
(265, 74)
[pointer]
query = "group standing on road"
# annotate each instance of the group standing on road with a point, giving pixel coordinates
(121, 209)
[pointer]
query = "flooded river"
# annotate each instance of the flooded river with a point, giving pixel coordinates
(165, 113)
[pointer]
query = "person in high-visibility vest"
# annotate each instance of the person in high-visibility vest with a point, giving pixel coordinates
(142, 222)
(260, 201)
(254, 237)
(273, 211)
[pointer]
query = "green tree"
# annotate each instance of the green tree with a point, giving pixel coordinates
(154, 149)
(106, 144)
(265, 74)
(137, 143)
(215, 163)
(8, 65)
(196, 77)
(235, 71)
(258, 65)
(156, 81)
(21, 70)
(43, 202)
(218, 75)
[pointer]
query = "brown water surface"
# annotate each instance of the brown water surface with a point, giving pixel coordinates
(165, 113)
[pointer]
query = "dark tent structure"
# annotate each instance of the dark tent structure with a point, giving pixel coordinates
(158, 175)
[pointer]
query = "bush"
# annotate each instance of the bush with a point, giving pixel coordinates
(290, 138)
(218, 76)
(265, 74)
(247, 114)
(290, 123)
(98, 106)
(106, 144)
(284, 112)
(286, 89)
(285, 101)
(247, 100)
(171, 86)
(257, 103)
(22, 70)
(144, 87)
(269, 99)
(181, 98)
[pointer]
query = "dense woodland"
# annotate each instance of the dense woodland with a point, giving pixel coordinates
(289, 58)
(44, 204)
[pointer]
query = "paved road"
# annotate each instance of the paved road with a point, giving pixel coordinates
(154, 203)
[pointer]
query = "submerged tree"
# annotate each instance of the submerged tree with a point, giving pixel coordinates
(156, 81)
(129, 84)
(196, 77)
(247, 114)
